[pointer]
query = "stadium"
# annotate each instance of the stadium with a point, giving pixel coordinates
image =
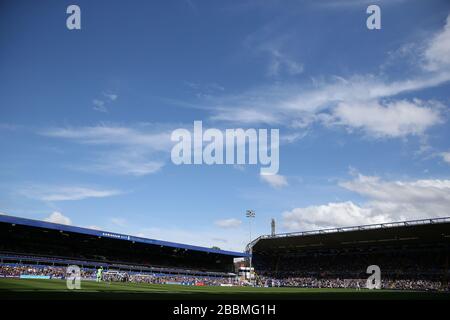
(411, 255)
(325, 264)
(224, 150)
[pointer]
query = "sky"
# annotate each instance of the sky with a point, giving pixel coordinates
(86, 115)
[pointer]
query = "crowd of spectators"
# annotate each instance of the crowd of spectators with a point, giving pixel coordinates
(182, 279)
(352, 265)
(400, 269)
(59, 272)
(310, 282)
(17, 270)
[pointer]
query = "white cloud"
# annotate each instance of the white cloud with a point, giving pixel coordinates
(58, 217)
(123, 163)
(94, 227)
(121, 222)
(300, 106)
(132, 151)
(244, 115)
(9, 126)
(275, 180)
(280, 63)
(328, 216)
(438, 52)
(66, 193)
(113, 135)
(392, 119)
(111, 96)
(403, 199)
(357, 101)
(204, 237)
(446, 156)
(99, 105)
(268, 42)
(386, 201)
(228, 223)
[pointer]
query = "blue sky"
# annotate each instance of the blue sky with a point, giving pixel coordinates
(86, 115)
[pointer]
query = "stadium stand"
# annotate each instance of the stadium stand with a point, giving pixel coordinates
(37, 248)
(411, 255)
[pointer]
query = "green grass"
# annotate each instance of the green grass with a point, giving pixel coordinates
(56, 289)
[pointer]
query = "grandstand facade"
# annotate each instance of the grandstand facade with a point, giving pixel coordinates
(37, 243)
(407, 253)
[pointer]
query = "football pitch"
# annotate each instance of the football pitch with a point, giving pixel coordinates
(56, 289)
